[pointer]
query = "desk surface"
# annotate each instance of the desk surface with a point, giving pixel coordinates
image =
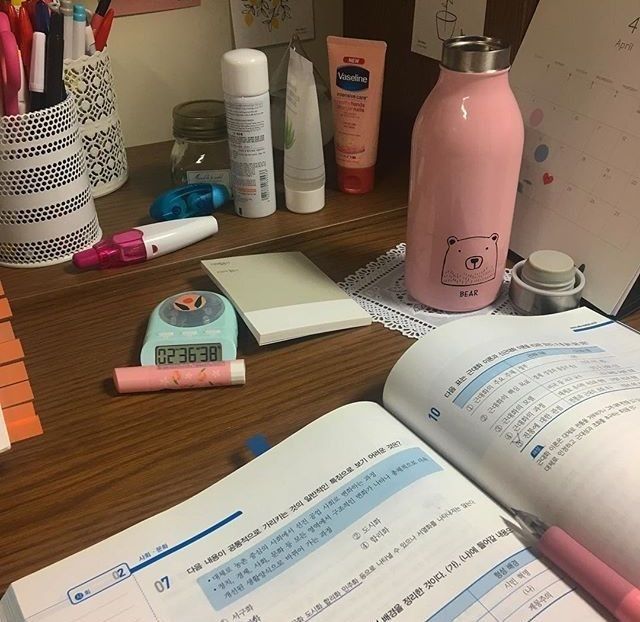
(107, 461)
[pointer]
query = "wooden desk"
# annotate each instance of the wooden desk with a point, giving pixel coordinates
(107, 461)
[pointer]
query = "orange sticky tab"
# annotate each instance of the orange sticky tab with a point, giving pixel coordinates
(6, 332)
(5, 309)
(11, 351)
(12, 374)
(14, 414)
(15, 394)
(24, 429)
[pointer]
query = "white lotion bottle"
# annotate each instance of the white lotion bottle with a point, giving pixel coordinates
(245, 82)
(304, 173)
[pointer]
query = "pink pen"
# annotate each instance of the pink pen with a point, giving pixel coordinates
(611, 590)
(176, 377)
(145, 242)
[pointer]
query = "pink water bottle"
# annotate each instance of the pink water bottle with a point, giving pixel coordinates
(465, 161)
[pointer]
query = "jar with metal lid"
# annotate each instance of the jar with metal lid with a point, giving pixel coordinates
(200, 153)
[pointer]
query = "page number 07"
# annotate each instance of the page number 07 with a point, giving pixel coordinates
(634, 25)
(162, 584)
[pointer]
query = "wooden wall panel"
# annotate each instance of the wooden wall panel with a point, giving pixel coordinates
(409, 77)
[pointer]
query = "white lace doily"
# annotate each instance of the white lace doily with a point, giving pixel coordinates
(379, 289)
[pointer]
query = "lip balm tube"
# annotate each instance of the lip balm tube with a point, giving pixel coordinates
(177, 377)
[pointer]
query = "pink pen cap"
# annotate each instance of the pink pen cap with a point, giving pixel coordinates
(177, 377)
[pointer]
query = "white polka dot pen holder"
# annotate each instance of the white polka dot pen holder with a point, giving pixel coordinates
(46, 207)
(90, 79)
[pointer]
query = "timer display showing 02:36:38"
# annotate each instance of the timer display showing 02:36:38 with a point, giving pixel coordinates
(182, 355)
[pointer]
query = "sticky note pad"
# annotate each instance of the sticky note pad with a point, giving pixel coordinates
(283, 296)
(5, 309)
(15, 394)
(22, 422)
(6, 332)
(12, 374)
(24, 429)
(13, 414)
(11, 351)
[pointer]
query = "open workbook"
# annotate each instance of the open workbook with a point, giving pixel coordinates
(398, 512)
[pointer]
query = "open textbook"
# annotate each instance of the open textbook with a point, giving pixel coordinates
(378, 514)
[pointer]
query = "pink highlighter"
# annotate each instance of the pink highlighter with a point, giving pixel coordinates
(177, 377)
(145, 242)
(606, 586)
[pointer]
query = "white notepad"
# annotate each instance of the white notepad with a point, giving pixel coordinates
(283, 296)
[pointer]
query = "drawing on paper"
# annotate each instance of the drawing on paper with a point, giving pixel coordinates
(435, 21)
(446, 21)
(271, 13)
(258, 23)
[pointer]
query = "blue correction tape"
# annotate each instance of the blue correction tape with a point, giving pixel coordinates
(189, 201)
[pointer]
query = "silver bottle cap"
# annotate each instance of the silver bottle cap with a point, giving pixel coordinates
(476, 54)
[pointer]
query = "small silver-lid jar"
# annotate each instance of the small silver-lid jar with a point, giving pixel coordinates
(547, 282)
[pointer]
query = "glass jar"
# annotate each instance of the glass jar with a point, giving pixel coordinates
(200, 153)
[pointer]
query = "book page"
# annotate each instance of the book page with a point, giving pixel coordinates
(353, 518)
(543, 413)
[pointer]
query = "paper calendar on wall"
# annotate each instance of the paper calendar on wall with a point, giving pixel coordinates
(577, 80)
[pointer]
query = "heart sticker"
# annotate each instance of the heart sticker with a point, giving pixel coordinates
(547, 179)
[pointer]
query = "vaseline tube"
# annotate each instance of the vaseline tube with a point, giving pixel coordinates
(356, 70)
(304, 174)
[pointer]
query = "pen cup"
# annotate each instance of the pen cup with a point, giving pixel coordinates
(46, 208)
(90, 79)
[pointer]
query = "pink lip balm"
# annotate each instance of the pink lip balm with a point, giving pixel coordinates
(176, 377)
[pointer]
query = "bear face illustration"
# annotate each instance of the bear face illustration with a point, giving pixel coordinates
(470, 261)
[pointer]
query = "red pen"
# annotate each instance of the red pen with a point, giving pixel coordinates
(99, 15)
(611, 590)
(30, 5)
(13, 18)
(103, 32)
(25, 38)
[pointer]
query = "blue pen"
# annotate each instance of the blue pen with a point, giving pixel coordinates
(43, 17)
(79, 34)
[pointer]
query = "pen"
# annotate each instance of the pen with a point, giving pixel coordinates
(54, 86)
(30, 5)
(10, 67)
(36, 75)
(24, 86)
(90, 41)
(103, 32)
(145, 242)
(66, 8)
(611, 590)
(12, 14)
(43, 17)
(79, 23)
(98, 16)
(25, 37)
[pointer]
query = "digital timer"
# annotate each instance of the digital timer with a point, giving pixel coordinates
(190, 328)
